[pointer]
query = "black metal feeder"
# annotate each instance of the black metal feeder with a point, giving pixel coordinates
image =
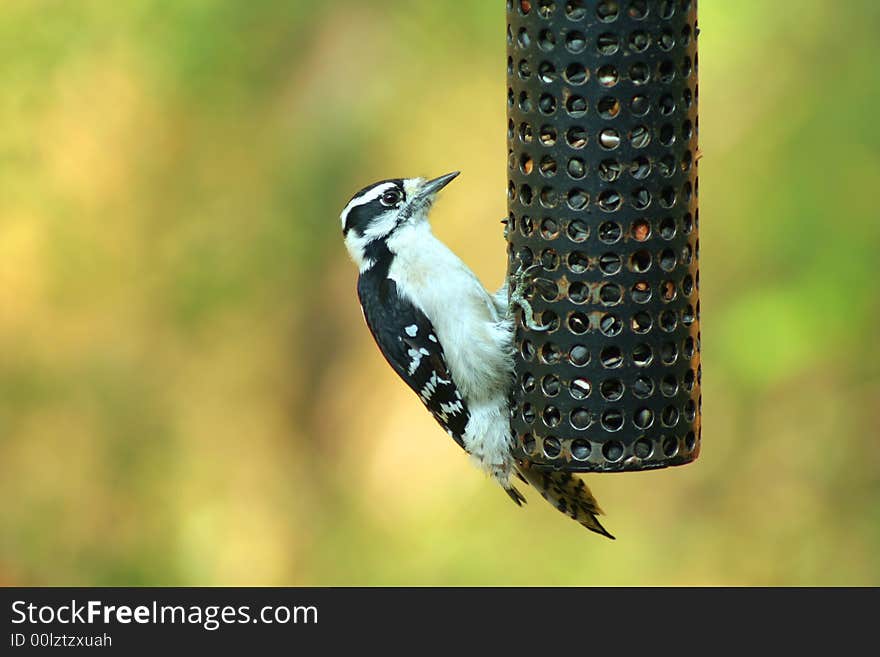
(603, 186)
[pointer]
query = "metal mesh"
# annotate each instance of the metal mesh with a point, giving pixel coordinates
(603, 186)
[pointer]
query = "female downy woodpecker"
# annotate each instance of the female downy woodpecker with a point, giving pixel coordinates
(449, 339)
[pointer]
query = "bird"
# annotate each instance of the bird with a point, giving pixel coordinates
(447, 337)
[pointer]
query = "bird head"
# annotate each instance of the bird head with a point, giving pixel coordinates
(380, 209)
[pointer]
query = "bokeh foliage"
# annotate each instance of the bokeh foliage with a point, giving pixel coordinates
(188, 394)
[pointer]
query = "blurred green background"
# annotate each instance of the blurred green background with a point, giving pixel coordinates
(188, 394)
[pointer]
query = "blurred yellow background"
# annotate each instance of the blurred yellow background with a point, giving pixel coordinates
(188, 395)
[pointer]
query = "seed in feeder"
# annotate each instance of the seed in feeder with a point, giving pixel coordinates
(575, 41)
(576, 168)
(579, 355)
(607, 43)
(576, 74)
(641, 198)
(578, 293)
(578, 231)
(580, 389)
(670, 416)
(550, 385)
(643, 448)
(550, 353)
(612, 420)
(643, 418)
(576, 137)
(640, 137)
(639, 105)
(668, 353)
(610, 232)
(548, 166)
(610, 325)
(641, 230)
(580, 449)
(610, 200)
(667, 228)
(578, 262)
(578, 323)
(609, 263)
(547, 104)
(642, 355)
(551, 416)
(639, 73)
(547, 135)
(643, 387)
(669, 386)
(578, 199)
(609, 139)
(641, 292)
(552, 448)
(611, 357)
(610, 294)
(641, 322)
(580, 419)
(668, 321)
(612, 389)
(546, 40)
(607, 11)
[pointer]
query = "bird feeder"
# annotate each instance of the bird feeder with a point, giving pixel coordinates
(603, 206)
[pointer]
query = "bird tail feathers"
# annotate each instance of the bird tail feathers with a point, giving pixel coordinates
(566, 492)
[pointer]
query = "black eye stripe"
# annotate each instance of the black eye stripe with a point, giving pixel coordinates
(360, 216)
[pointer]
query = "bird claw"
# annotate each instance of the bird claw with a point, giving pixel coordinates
(522, 278)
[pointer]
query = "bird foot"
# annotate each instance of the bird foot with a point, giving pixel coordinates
(522, 279)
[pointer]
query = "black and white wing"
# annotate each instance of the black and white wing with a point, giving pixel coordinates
(407, 340)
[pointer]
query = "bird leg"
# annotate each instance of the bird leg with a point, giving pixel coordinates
(522, 279)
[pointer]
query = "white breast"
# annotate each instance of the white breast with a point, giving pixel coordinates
(475, 339)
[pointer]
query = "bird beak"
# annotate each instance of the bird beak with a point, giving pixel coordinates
(430, 189)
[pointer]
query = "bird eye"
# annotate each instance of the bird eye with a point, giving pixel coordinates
(391, 197)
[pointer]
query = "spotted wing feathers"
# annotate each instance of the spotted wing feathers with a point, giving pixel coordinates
(407, 340)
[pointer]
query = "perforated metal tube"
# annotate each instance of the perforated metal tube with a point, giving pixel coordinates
(603, 186)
